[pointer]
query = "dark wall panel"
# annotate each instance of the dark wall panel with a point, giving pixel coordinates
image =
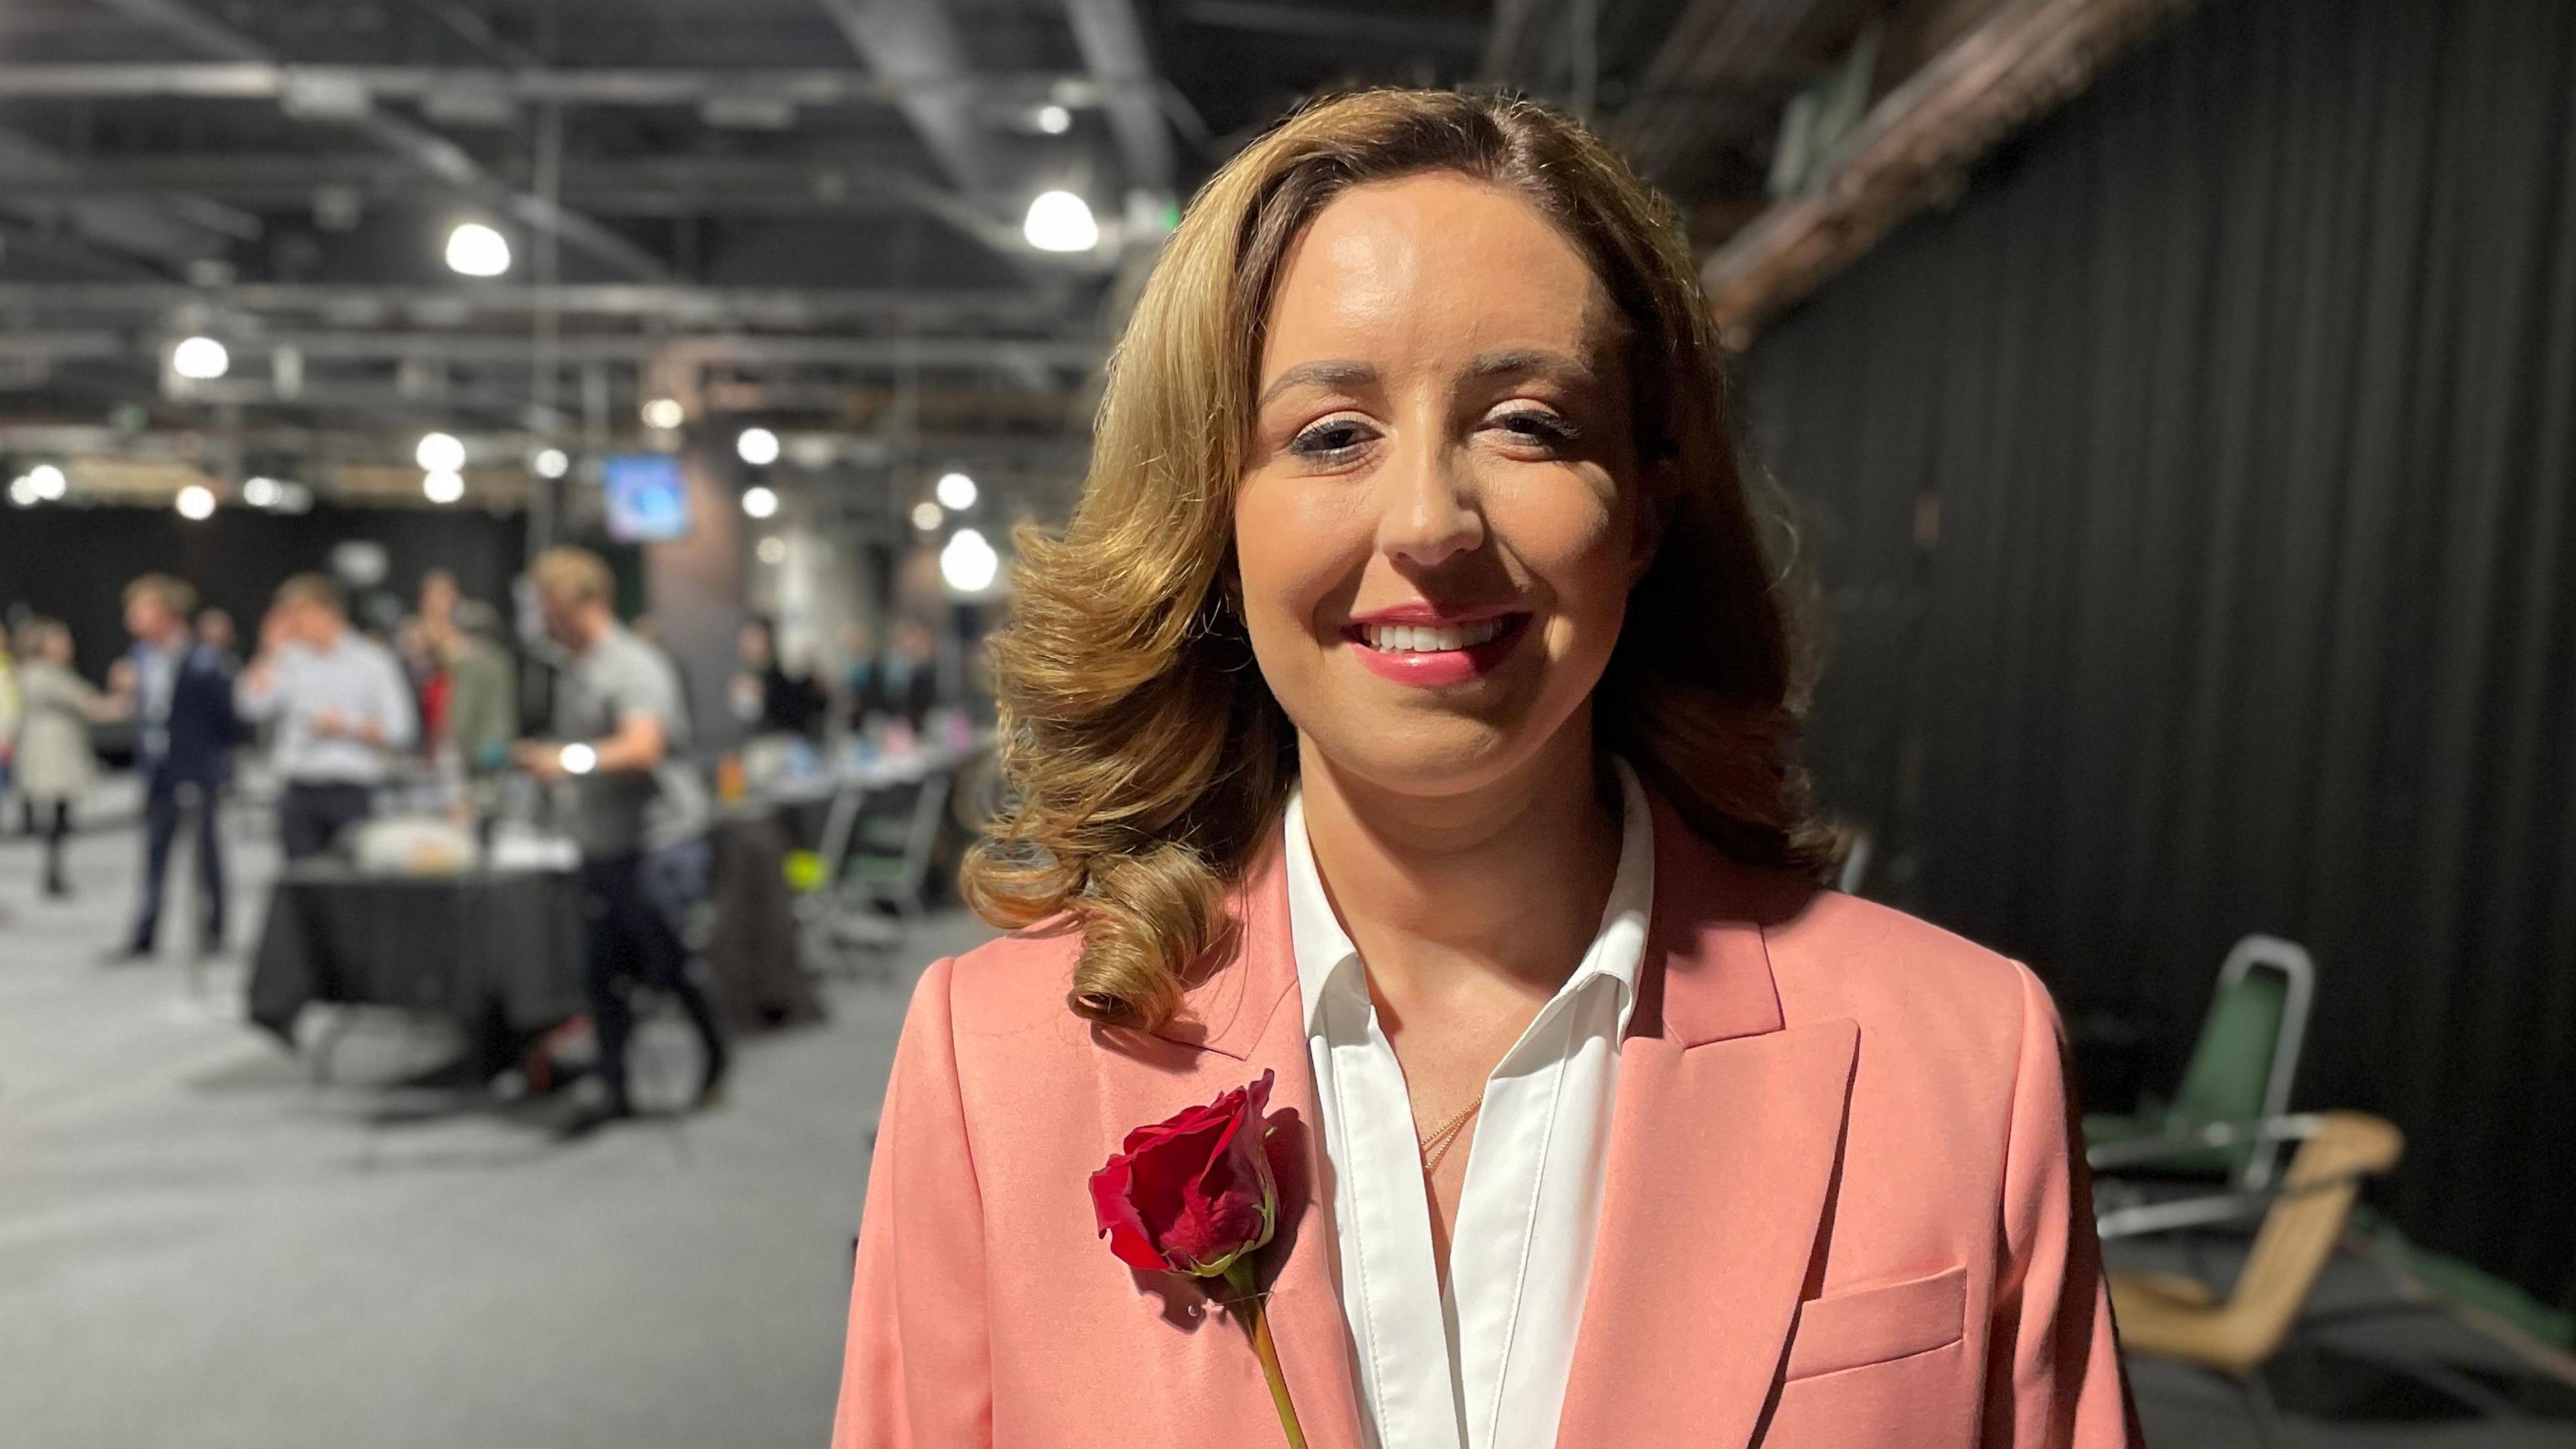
(2192, 501)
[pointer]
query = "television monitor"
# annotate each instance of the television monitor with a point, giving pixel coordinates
(648, 500)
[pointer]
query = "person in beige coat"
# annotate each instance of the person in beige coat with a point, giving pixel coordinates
(55, 765)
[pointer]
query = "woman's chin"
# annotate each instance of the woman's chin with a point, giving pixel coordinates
(1424, 753)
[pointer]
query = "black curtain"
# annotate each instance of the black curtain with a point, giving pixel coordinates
(2191, 507)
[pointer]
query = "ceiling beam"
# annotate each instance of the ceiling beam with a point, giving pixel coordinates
(1724, 70)
(367, 304)
(914, 44)
(1338, 25)
(1916, 145)
(1006, 354)
(172, 231)
(261, 80)
(428, 150)
(1113, 46)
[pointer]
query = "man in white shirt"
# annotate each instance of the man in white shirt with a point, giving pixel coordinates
(340, 706)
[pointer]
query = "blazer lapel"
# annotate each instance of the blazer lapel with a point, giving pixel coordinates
(1243, 1018)
(1724, 1145)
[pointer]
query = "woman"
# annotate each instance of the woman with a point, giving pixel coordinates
(1404, 713)
(55, 763)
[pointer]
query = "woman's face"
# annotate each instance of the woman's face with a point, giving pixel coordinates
(1437, 524)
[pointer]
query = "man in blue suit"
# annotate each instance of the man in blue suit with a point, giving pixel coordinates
(184, 729)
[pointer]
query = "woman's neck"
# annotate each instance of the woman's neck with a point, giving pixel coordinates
(1505, 882)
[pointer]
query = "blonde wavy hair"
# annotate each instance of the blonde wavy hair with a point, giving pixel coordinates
(1145, 760)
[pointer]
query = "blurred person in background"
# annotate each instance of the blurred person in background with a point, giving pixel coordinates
(859, 675)
(181, 701)
(481, 714)
(424, 653)
(217, 635)
(638, 813)
(340, 706)
(439, 597)
(768, 697)
(9, 717)
(422, 674)
(9, 732)
(55, 765)
(903, 683)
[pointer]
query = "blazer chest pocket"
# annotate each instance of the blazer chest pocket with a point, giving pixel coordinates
(1877, 1324)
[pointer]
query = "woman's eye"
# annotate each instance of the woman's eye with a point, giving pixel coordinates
(1329, 440)
(1536, 425)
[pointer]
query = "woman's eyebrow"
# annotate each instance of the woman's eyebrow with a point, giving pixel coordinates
(1556, 367)
(1332, 376)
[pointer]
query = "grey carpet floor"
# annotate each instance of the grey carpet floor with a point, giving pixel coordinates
(200, 1247)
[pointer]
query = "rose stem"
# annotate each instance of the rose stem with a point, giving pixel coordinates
(1239, 1277)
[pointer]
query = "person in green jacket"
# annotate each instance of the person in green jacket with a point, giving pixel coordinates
(483, 698)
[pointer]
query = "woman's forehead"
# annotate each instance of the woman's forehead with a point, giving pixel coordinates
(1432, 268)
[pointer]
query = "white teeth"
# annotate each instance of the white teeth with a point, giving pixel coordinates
(1407, 639)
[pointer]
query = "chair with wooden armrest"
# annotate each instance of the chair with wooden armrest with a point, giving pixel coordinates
(2178, 1317)
(2241, 1070)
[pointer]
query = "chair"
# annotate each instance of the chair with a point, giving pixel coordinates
(2179, 1317)
(2241, 1070)
(878, 848)
(1858, 845)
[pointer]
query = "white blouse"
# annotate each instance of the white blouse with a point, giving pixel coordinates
(1484, 1365)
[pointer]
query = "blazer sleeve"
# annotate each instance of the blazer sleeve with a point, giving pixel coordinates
(2053, 1377)
(917, 1372)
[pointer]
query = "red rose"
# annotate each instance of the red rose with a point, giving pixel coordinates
(1194, 1193)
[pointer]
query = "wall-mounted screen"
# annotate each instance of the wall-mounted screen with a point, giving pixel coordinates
(647, 497)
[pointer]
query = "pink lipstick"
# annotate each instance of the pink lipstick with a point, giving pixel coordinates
(1431, 647)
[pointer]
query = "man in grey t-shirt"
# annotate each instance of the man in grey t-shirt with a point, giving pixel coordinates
(637, 811)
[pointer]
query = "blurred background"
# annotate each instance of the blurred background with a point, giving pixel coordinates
(2173, 407)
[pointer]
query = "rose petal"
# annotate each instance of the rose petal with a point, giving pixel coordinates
(1119, 1221)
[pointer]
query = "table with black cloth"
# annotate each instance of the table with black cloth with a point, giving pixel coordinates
(496, 950)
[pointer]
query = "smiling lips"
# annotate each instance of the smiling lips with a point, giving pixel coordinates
(1430, 648)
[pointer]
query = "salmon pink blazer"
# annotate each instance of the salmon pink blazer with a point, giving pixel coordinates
(1845, 1202)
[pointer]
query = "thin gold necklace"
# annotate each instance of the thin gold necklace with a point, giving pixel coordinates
(1437, 1145)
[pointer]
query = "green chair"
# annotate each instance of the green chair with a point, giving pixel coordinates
(2240, 1071)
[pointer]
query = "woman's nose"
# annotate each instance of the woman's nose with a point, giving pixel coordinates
(1430, 513)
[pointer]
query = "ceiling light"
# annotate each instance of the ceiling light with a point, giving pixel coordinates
(442, 485)
(773, 551)
(956, 492)
(1053, 119)
(23, 493)
(968, 563)
(926, 516)
(758, 447)
(196, 502)
(440, 453)
(200, 359)
(260, 492)
(759, 502)
(48, 481)
(476, 250)
(578, 758)
(552, 463)
(1060, 221)
(664, 412)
